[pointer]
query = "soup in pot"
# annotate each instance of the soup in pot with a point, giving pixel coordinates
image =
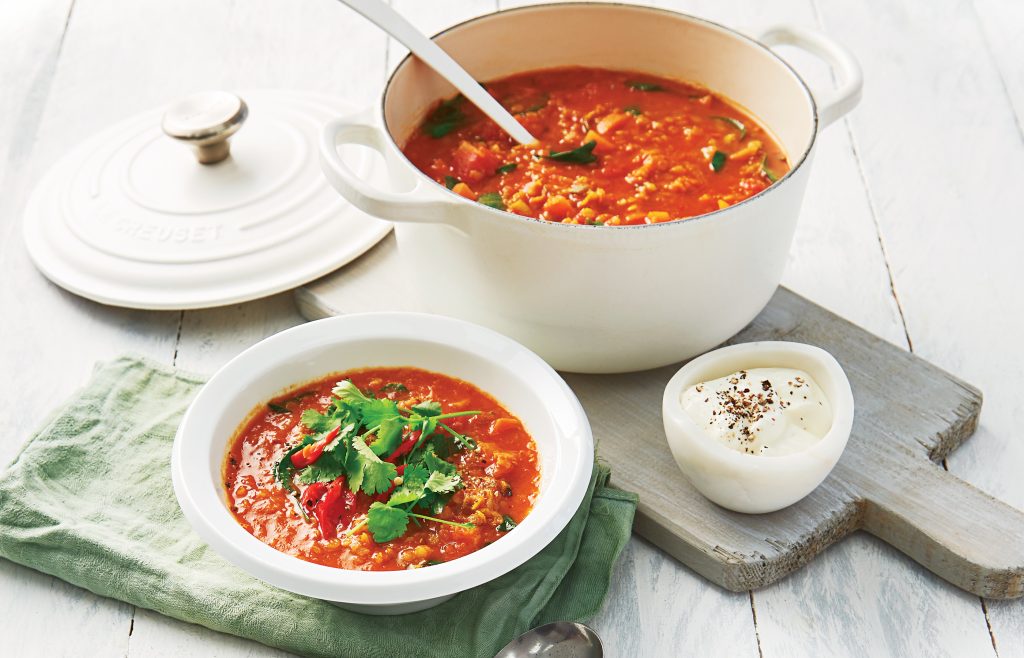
(614, 148)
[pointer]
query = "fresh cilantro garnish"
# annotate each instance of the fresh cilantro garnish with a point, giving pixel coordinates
(632, 109)
(445, 118)
(491, 199)
(365, 438)
(386, 522)
(450, 181)
(581, 155)
(644, 86)
(718, 161)
(507, 523)
(366, 471)
(284, 469)
(428, 408)
(396, 386)
(741, 130)
(506, 168)
(766, 172)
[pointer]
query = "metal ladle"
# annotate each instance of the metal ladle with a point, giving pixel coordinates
(559, 639)
(389, 20)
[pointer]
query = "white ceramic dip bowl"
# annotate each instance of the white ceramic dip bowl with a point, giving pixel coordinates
(751, 483)
(516, 377)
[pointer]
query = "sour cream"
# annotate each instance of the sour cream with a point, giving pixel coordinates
(761, 411)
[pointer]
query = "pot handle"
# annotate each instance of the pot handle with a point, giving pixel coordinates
(398, 206)
(831, 104)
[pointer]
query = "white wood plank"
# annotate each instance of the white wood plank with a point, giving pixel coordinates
(156, 636)
(1002, 25)
(39, 614)
(656, 608)
(945, 195)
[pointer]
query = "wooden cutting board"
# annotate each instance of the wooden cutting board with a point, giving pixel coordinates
(909, 416)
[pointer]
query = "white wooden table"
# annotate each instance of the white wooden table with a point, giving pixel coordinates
(913, 227)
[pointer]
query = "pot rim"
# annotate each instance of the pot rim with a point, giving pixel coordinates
(707, 24)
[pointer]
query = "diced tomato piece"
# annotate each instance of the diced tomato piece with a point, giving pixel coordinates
(473, 163)
(464, 190)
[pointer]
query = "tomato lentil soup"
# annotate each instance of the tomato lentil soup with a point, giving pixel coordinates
(483, 470)
(614, 148)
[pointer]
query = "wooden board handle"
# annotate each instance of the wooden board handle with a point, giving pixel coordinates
(960, 533)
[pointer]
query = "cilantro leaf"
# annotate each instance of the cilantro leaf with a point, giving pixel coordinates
(375, 413)
(284, 469)
(450, 181)
(388, 436)
(374, 476)
(507, 523)
(445, 118)
(492, 200)
(718, 161)
(639, 85)
(434, 463)
(332, 461)
(580, 155)
(411, 490)
(506, 168)
(393, 386)
(428, 408)
(439, 482)
(317, 422)
(277, 407)
(386, 523)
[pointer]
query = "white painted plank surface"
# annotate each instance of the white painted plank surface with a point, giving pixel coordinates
(41, 360)
(945, 193)
(950, 236)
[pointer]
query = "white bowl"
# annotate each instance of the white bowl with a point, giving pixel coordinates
(748, 483)
(516, 377)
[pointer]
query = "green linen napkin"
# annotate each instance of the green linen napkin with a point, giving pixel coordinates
(89, 500)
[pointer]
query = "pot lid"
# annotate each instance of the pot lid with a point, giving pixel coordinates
(162, 211)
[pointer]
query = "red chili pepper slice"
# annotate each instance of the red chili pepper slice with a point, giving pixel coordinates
(312, 452)
(404, 447)
(337, 506)
(312, 494)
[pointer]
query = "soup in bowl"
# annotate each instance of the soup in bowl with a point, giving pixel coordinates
(382, 461)
(587, 294)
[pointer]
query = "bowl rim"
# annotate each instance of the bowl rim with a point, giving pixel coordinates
(707, 24)
(696, 370)
(201, 496)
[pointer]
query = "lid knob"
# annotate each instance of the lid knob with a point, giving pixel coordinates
(205, 121)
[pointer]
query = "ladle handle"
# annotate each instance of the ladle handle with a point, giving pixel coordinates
(397, 26)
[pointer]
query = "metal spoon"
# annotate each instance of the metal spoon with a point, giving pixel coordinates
(559, 639)
(394, 24)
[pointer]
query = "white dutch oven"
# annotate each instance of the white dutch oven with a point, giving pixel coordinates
(595, 298)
